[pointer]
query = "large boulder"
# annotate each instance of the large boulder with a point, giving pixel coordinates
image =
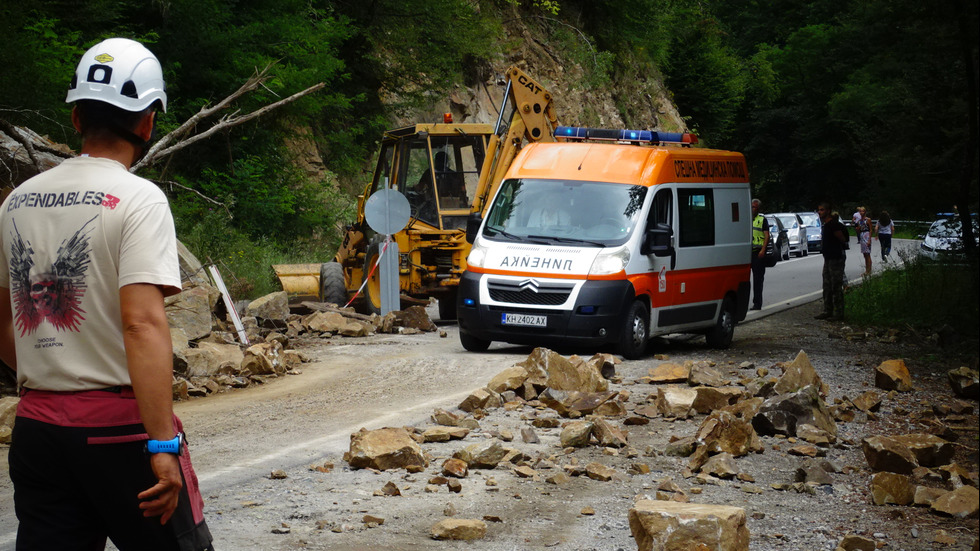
(561, 373)
(384, 449)
(264, 359)
(965, 382)
(190, 310)
(797, 374)
(782, 413)
(209, 358)
(274, 306)
(668, 525)
(893, 375)
(566, 402)
(482, 455)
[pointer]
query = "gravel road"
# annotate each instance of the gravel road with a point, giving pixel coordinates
(239, 437)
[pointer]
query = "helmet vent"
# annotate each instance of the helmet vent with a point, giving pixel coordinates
(129, 90)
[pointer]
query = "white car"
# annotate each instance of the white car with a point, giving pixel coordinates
(944, 240)
(796, 231)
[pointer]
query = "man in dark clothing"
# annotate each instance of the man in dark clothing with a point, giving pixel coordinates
(760, 241)
(832, 232)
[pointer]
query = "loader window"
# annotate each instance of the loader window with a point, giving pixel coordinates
(382, 174)
(419, 183)
(696, 216)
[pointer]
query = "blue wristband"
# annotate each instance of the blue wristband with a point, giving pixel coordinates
(165, 446)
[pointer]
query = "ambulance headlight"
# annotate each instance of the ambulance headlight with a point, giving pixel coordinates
(477, 256)
(610, 261)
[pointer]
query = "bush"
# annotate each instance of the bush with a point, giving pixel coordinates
(921, 294)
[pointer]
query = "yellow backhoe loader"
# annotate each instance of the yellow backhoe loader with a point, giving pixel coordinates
(448, 171)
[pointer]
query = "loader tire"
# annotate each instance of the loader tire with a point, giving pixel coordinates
(332, 286)
(447, 306)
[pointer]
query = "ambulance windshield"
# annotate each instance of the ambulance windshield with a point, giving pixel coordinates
(564, 212)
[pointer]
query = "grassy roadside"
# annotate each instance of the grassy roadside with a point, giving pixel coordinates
(922, 295)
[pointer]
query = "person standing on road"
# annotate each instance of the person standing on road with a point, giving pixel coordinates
(87, 254)
(833, 236)
(760, 242)
(884, 229)
(862, 225)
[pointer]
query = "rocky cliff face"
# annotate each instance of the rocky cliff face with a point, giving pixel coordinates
(632, 99)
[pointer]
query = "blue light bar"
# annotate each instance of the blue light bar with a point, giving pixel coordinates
(640, 136)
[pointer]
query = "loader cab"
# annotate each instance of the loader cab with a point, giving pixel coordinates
(437, 168)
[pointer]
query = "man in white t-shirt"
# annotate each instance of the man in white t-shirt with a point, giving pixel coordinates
(87, 255)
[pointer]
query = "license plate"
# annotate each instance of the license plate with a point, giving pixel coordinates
(524, 319)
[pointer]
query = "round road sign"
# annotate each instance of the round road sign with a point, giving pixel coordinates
(387, 211)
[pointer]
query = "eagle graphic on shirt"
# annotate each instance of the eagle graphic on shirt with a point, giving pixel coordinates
(51, 292)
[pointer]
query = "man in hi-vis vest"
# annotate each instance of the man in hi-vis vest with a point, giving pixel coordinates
(760, 241)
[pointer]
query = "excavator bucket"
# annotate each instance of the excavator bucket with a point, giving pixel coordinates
(300, 281)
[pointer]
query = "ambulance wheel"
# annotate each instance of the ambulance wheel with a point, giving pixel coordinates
(633, 339)
(332, 287)
(473, 344)
(720, 336)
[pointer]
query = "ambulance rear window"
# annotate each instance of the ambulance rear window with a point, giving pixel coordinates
(696, 216)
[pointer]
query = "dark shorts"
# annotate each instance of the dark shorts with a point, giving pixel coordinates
(77, 473)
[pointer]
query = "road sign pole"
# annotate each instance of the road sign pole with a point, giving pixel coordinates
(390, 292)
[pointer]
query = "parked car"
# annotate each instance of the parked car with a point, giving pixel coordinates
(944, 240)
(814, 236)
(780, 238)
(796, 230)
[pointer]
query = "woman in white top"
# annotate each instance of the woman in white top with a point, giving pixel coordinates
(884, 228)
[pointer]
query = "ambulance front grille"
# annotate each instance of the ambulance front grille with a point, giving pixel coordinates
(529, 292)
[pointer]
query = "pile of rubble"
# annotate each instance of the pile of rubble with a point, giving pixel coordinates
(212, 354)
(571, 396)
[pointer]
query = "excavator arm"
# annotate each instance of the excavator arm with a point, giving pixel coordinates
(532, 119)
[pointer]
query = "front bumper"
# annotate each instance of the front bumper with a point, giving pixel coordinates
(595, 318)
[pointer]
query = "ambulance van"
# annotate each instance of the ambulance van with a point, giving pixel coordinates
(607, 238)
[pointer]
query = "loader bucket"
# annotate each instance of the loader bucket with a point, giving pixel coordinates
(300, 281)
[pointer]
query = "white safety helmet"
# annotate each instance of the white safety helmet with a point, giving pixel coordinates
(120, 72)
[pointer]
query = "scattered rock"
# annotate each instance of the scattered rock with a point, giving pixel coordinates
(965, 382)
(669, 373)
(960, 503)
(671, 525)
(383, 449)
(893, 375)
(891, 488)
(459, 529)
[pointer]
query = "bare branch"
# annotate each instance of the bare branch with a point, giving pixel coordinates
(172, 184)
(15, 134)
(251, 84)
(224, 122)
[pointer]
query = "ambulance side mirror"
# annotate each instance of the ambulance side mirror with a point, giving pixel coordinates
(473, 226)
(656, 241)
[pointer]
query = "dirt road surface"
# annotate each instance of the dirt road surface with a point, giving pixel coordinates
(238, 438)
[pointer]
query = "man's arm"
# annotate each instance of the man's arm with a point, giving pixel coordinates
(7, 351)
(149, 357)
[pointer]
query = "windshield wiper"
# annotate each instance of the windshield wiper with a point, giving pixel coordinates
(512, 237)
(556, 239)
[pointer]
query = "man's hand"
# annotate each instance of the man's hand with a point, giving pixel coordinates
(161, 499)
(762, 253)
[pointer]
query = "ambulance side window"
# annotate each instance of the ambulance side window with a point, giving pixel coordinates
(696, 217)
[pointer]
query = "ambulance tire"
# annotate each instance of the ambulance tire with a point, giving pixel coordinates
(473, 344)
(635, 332)
(332, 286)
(720, 336)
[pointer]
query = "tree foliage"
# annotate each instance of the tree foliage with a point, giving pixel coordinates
(853, 101)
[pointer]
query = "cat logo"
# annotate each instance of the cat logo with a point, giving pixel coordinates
(104, 58)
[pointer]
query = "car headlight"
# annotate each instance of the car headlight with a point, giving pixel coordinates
(477, 256)
(610, 262)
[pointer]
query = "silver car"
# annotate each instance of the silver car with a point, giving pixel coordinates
(796, 231)
(814, 239)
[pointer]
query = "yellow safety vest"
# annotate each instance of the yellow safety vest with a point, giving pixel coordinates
(758, 233)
